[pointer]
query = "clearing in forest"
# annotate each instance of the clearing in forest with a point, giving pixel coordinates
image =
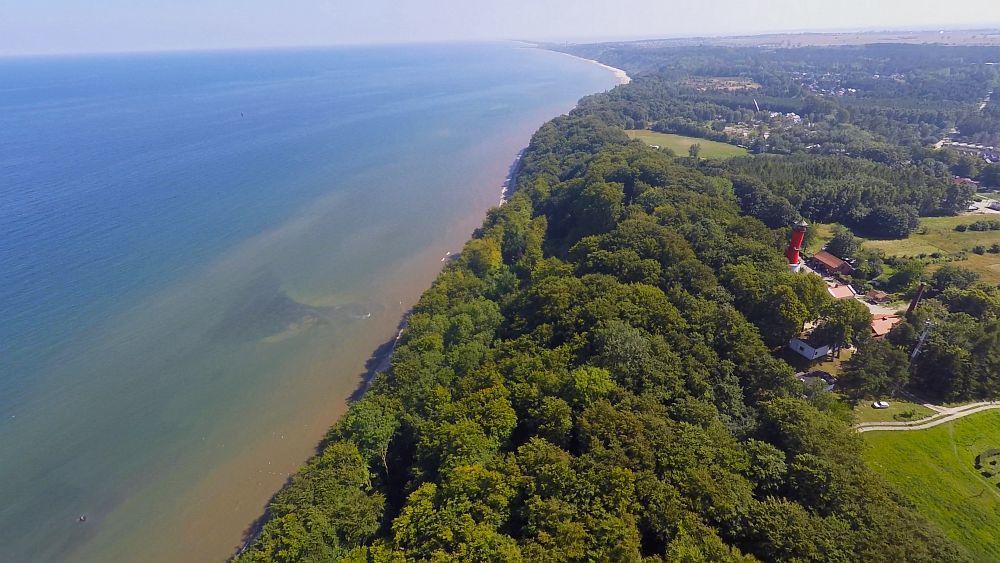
(938, 235)
(680, 144)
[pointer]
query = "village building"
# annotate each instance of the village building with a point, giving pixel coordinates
(841, 291)
(882, 324)
(830, 264)
(808, 347)
(969, 182)
(877, 296)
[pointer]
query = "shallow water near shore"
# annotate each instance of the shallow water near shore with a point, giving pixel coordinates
(198, 254)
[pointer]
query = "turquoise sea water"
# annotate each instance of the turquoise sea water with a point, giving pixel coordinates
(199, 251)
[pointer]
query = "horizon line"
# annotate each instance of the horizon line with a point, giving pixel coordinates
(990, 27)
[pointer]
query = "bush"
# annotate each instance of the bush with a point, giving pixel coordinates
(984, 225)
(961, 228)
(979, 249)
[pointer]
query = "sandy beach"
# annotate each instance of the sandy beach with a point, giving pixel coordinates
(620, 75)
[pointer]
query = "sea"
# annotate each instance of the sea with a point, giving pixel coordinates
(200, 253)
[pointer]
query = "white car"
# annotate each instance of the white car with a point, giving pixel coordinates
(880, 405)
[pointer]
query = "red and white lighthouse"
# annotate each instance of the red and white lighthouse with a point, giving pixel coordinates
(795, 245)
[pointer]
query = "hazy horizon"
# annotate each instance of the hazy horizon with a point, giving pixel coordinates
(120, 26)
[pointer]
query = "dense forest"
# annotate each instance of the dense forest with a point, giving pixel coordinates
(593, 378)
(584, 383)
(875, 199)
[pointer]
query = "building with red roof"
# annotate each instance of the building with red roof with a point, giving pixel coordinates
(882, 324)
(829, 263)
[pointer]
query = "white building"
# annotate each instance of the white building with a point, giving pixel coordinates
(805, 347)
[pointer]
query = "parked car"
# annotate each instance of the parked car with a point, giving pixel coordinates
(880, 405)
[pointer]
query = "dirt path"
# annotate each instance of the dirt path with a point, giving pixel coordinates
(944, 414)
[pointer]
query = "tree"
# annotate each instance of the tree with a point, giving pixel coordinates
(694, 150)
(843, 244)
(891, 221)
(588, 384)
(990, 175)
(782, 316)
(877, 369)
(870, 263)
(907, 274)
(950, 275)
(482, 255)
(370, 423)
(845, 321)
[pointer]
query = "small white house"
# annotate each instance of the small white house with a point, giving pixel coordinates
(809, 350)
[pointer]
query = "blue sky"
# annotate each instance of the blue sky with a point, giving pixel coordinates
(68, 26)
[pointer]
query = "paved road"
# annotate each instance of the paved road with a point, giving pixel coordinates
(944, 414)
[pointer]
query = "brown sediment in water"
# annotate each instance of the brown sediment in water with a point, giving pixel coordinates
(218, 505)
(214, 515)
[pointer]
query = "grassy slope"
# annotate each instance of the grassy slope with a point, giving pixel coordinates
(865, 413)
(941, 236)
(934, 469)
(822, 233)
(680, 144)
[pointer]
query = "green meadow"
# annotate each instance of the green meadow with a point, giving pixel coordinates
(680, 144)
(935, 469)
(938, 234)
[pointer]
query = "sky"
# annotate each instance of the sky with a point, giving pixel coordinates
(81, 26)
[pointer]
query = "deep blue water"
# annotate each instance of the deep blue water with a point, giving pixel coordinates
(178, 231)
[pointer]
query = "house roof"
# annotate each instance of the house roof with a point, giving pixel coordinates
(828, 260)
(877, 294)
(808, 337)
(841, 291)
(965, 182)
(882, 324)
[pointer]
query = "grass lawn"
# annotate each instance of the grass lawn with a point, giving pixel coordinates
(799, 363)
(941, 236)
(935, 470)
(680, 144)
(820, 234)
(897, 412)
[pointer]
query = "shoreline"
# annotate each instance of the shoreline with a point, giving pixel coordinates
(380, 360)
(620, 75)
(510, 183)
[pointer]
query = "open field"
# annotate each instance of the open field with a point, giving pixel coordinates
(680, 144)
(820, 234)
(897, 412)
(935, 470)
(941, 236)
